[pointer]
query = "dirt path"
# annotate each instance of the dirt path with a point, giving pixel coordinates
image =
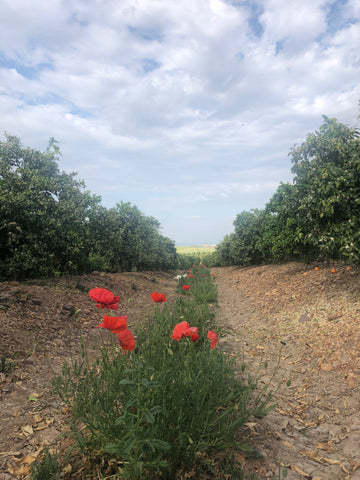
(310, 319)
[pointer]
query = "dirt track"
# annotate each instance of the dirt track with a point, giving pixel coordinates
(308, 318)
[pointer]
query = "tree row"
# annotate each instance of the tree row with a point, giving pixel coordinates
(51, 225)
(317, 217)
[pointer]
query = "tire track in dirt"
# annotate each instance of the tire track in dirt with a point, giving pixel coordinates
(308, 320)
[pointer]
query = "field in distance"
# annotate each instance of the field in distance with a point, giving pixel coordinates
(196, 249)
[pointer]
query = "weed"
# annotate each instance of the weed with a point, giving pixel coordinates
(6, 366)
(5, 303)
(31, 352)
(254, 454)
(47, 468)
(168, 405)
(202, 286)
(282, 472)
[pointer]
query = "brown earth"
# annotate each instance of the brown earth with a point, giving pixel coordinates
(303, 322)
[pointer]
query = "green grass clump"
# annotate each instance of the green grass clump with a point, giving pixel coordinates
(5, 365)
(47, 468)
(165, 407)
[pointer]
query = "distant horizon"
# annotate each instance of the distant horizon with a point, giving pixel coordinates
(197, 245)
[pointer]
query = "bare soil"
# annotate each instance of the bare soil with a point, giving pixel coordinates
(303, 322)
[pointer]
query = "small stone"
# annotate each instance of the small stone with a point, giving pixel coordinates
(334, 316)
(36, 301)
(68, 307)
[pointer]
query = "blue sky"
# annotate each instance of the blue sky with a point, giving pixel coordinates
(187, 109)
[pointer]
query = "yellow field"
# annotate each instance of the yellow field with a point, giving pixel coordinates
(196, 250)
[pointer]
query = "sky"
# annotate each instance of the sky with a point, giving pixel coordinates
(187, 109)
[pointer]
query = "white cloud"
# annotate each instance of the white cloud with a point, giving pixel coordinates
(168, 104)
(293, 26)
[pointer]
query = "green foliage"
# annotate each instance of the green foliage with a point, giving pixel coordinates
(195, 255)
(51, 225)
(202, 286)
(47, 468)
(165, 407)
(186, 260)
(245, 246)
(126, 240)
(43, 212)
(327, 186)
(211, 259)
(5, 365)
(315, 218)
(280, 240)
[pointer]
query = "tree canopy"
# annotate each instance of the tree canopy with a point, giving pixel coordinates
(50, 223)
(317, 217)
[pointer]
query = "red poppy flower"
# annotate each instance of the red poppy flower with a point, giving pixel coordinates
(212, 274)
(158, 297)
(213, 337)
(183, 329)
(105, 298)
(186, 287)
(115, 324)
(126, 340)
(203, 274)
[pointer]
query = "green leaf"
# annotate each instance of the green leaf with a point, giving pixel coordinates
(125, 381)
(149, 416)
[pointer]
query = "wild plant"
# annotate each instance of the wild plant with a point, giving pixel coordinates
(164, 405)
